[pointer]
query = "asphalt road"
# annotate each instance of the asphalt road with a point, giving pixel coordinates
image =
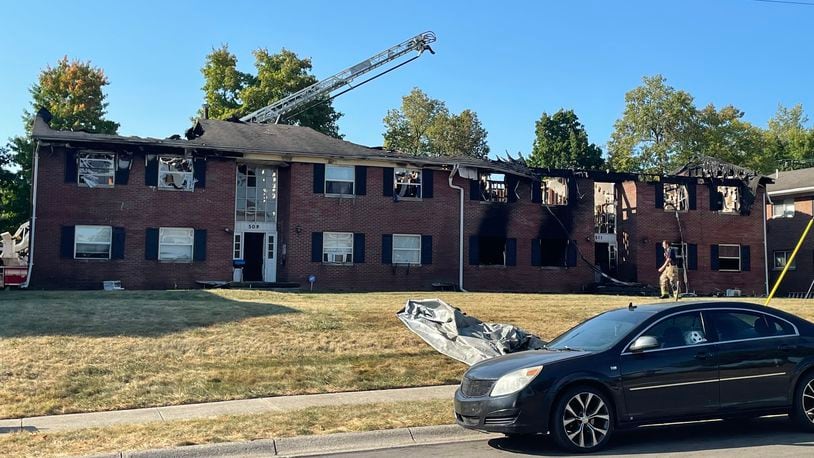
(775, 437)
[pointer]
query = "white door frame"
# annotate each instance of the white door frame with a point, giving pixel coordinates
(270, 257)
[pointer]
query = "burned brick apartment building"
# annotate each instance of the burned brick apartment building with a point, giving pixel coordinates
(286, 204)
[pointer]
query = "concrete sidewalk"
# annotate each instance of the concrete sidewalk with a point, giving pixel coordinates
(213, 409)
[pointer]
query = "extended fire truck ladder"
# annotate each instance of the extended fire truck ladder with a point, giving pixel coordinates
(319, 91)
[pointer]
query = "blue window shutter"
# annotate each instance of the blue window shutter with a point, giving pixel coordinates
(571, 254)
(117, 248)
(426, 250)
(66, 241)
(746, 262)
(713, 257)
(692, 256)
(387, 249)
(659, 255)
(319, 183)
(387, 181)
(151, 244)
(536, 252)
(358, 248)
(426, 184)
(316, 247)
(474, 190)
(151, 172)
(659, 194)
(691, 196)
(361, 180)
(71, 168)
(474, 250)
(536, 191)
(199, 245)
(511, 252)
(199, 172)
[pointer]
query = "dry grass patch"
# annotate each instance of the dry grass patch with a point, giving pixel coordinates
(68, 352)
(317, 420)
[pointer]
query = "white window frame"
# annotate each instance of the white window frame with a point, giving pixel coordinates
(352, 181)
(418, 250)
(740, 261)
(737, 208)
(682, 197)
(407, 184)
(189, 176)
(544, 187)
(109, 243)
(191, 244)
(326, 258)
(793, 265)
(104, 183)
(237, 247)
(785, 205)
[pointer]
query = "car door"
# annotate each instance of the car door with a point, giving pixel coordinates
(678, 378)
(756, 358)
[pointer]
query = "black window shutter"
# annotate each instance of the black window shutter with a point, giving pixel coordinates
(715, 199)
(713, 257)
(66, 242)
(536, 252)
(746, 262)
(151, 244)
(691, 196)
(358, 248)
(659, 255)
(122, 174)
(199, 172)
(361, 180)
(387, 248)
(536, 192)
(571, 254)
(511, 188)
(151, 172)
(692, 256)
(511, 252)
(71, 168)
(659, 195)
(474, 250)
(319, 185)
(117, 248)
(199, 245)
(426, 183)
(316, 245)
(474, 190)
(387, 181)
(426, 250)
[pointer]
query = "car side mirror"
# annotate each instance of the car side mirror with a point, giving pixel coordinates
(644, 343)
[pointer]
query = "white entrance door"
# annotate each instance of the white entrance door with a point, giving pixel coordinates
(270, 258)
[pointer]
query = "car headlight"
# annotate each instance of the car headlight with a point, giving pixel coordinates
(515, 381)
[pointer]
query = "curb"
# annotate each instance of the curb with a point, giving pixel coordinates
(316, 444)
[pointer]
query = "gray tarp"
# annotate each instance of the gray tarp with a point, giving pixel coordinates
(462, 337)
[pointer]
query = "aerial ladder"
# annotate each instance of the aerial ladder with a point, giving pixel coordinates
(321, 90)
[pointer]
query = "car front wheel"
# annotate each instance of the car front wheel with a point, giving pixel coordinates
(803, 412)
(582, 420)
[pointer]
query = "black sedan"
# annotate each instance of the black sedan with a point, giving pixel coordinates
(645, 365)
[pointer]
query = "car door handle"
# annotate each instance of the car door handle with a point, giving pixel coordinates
(786, 347)
(703, 355)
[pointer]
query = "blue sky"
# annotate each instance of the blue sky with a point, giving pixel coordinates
(508, 61)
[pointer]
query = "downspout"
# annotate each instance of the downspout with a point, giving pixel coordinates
(765, 245)
(33, 225)
(460, 230)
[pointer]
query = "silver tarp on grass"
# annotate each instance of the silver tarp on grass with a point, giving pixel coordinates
(463, 337)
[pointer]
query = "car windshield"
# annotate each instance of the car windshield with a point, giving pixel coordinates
(600, 332)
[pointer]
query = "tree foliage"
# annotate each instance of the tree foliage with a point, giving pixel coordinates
(423, 126)
(788, 139)
(231, 93)
(723, 134)
(560, 141)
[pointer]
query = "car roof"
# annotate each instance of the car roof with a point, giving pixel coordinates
(657, 307)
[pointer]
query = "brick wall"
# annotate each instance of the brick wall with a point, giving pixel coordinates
(783, 234)
(135, 207)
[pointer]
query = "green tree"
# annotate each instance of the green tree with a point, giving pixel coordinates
(73, 92)
(723, 134)
(789, 139)
(231, 93)
(560, 141)
(657, 125)
(423, 126)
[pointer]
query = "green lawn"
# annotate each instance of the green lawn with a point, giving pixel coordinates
(86, 351)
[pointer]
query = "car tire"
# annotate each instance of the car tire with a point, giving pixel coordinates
(582, 420)
(803, 407)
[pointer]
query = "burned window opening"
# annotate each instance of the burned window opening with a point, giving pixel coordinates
(553, 252)
(554, 190)
(96, 170)
(492, 251)
(493, 187)
(729, 199)
(175, 173)
(676, 197)
(604, 208)
(407, 183)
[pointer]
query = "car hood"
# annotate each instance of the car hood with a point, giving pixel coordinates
(494, 368)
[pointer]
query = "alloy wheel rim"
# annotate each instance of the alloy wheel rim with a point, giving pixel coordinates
(808, 401)
(586, 419)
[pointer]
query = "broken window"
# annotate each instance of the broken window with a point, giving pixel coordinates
(729, 258)
(554, 190)
(552, 252)
(96, 170)
(729, 197)
(492, 251)
(493, 187)
(604, 208)
(175, 173)
(675, 197)
(406, 249)
(92, 242)
(407, 183)
(175, 244)
(256, 194)
(337, 247)
(783, 208)
(781, 258)
(339, 180)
